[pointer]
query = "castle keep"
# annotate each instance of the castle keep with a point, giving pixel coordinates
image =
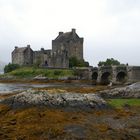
(64, 46)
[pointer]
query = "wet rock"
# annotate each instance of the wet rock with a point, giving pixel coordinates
(63, 78)
(40, 77)
(32, 97)
(68, 78)
(131, 91)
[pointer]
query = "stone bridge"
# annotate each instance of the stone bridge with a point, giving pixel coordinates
(114, 74)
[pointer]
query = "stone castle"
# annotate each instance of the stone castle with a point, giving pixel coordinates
(64, 46)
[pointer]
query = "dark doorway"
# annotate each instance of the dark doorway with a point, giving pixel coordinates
(94, 76)
(46, 63)
(105, 78)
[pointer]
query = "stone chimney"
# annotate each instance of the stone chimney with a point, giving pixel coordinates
(60, 33)
(16, 47)
(42, 49)
(28, 46)
(73, 31)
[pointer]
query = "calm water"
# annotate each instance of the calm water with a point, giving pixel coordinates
(10, 88)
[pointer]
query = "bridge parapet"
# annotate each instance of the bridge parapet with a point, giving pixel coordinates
(107, 74)
(133, 73)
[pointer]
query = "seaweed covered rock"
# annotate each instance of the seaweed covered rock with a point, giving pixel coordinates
(131, 91)
(42, 97)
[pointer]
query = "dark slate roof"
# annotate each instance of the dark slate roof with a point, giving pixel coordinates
(67, 36)
(20, 50)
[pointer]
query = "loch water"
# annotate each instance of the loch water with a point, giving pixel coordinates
(15, 87)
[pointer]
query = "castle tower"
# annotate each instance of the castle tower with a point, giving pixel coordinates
(70, 42)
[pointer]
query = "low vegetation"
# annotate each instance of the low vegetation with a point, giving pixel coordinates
(29, 72)
(74, 62)
(10, 67)
(119, 103)
(57, 124)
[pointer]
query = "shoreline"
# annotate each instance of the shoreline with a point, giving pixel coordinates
(47, 122)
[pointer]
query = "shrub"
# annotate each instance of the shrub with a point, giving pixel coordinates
(109, 62)
(10, 67)
(57, 72)
(74, 62)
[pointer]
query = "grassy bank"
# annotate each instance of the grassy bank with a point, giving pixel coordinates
(119, 103)
(31, 72)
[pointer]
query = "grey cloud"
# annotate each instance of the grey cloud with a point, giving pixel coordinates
(102, 41)
(122, 6)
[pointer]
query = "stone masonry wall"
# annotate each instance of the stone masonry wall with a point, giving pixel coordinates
(42, 57)
(22, 57)
(73, 48)
(18, 58)
(60, 60)
(28, 56)
(133, 73)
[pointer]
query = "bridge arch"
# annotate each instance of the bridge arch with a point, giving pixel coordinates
(121, 76)
(105, 78)
(94, 76)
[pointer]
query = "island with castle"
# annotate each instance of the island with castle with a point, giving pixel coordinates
(68, 45)
(64, 46)
(68, 107)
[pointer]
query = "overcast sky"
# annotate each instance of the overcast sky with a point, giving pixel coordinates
(111, 28)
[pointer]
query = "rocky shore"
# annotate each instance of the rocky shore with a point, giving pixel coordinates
(131, 91)
(33, 97)
(43, 114)
(69, 99)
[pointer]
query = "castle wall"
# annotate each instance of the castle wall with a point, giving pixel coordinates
(42, 57)
(73, 48)
(133, 73)
(28, 57)
(18, 58)
(60, 60)
(22, 57)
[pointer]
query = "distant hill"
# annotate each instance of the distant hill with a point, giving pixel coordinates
(2, 65)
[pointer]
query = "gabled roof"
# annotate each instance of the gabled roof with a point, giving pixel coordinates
(20, 50)
(67, 36)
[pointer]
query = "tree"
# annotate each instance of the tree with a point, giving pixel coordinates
(109, 62)
(10, 67)
(74, 62)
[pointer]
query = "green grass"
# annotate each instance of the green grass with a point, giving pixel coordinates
(119, 103)
(29, 72)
